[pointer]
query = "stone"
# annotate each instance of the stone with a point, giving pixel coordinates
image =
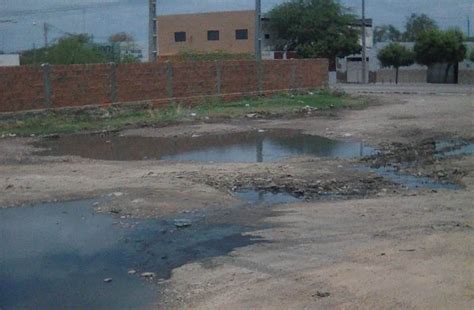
(182, 223)
(148, 275)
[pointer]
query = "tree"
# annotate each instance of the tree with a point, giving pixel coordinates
(436, 46)
(75, 49)
(416, 25)
(387, 33)
(396, 55)
(121, 37)
(315, 28)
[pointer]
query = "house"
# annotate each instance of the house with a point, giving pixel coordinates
(230, 32)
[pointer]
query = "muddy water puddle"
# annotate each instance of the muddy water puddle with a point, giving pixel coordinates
(253, 146)
(57, 256)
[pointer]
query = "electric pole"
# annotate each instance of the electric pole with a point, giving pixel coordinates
(468, 27)
(152, 32)
(258, 30)
(45, 33)
(364, 56)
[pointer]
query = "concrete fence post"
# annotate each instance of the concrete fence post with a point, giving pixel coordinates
(259, 77)
(218, 77)
(113, 82)
(293, 82)
(169, 79)
(47, 85)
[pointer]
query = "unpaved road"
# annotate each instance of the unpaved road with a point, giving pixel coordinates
(387, 248)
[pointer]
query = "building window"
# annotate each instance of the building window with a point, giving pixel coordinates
(213, 35)
(267, 36)
(241, 34)
(180, 36)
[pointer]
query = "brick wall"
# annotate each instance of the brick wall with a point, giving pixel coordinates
(29, 88)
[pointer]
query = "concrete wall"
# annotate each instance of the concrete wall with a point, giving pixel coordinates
(9, 60)
(196, 27)
(31, 87)
(404, 76)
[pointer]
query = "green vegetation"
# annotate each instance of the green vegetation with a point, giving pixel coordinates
(315, 28)
(437, 46)
(79, 49)
(387, 33)
(396, 55)
(417, 25)
(114, 118)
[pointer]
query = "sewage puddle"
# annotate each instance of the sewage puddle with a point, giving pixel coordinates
(254, 146)
(56, 256)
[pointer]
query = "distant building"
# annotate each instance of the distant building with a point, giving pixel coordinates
(9, 60)
(230, 32)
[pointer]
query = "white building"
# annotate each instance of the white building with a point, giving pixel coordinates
(9, 60)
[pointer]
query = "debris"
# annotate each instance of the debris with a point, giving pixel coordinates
(322, 294)
(139, 200)
(132, 272)
(193, 114)
(115, 211)
(182, 223)
(261, 130)
(347, 135)
(108, 280)
(148, 275)
(408, 250)
(9, 186)
(116, 194)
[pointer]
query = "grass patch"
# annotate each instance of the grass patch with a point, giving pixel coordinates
(113, 118)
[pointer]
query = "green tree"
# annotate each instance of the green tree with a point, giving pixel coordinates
(76, 49)
(396, 55)
(416, 25)
(387, 33)
(436, 46)
(315, 28)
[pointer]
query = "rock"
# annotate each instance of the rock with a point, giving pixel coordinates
(193, 114)
(148, 275)
(347, 135)
(247, 105)
(251, 115)
(322, 294)
(108, 280)
(182, 223)
(261, 130)
(139, 200)
(195, 136)
(132, 272)
(9, 186)
(116, 194)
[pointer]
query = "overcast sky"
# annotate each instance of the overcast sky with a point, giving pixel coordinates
(21, 20)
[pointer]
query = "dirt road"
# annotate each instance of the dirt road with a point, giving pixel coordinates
(385, 247)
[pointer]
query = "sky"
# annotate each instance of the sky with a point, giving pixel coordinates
(21, 21)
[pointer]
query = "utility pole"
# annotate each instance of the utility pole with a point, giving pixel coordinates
(45, 33)
(468, 27)
(258, 30)
(364, 56)
(152, 32)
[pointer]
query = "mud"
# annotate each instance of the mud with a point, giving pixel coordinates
(366, 237)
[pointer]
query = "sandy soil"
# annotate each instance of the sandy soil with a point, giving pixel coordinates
(388, 248)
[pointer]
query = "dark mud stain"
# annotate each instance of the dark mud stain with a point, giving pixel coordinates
(254, 146)
(56, 256)
(449, 148)
(410, 181)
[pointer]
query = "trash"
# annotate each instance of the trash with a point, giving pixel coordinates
(193, 114)
(182, 223)
(132, 272)
(116, 194)
(148, 275)
(108, 280)
(322, 294)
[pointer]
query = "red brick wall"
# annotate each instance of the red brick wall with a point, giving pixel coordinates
(22, 88)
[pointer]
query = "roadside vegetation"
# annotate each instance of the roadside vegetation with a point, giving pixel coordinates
(114, 118)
